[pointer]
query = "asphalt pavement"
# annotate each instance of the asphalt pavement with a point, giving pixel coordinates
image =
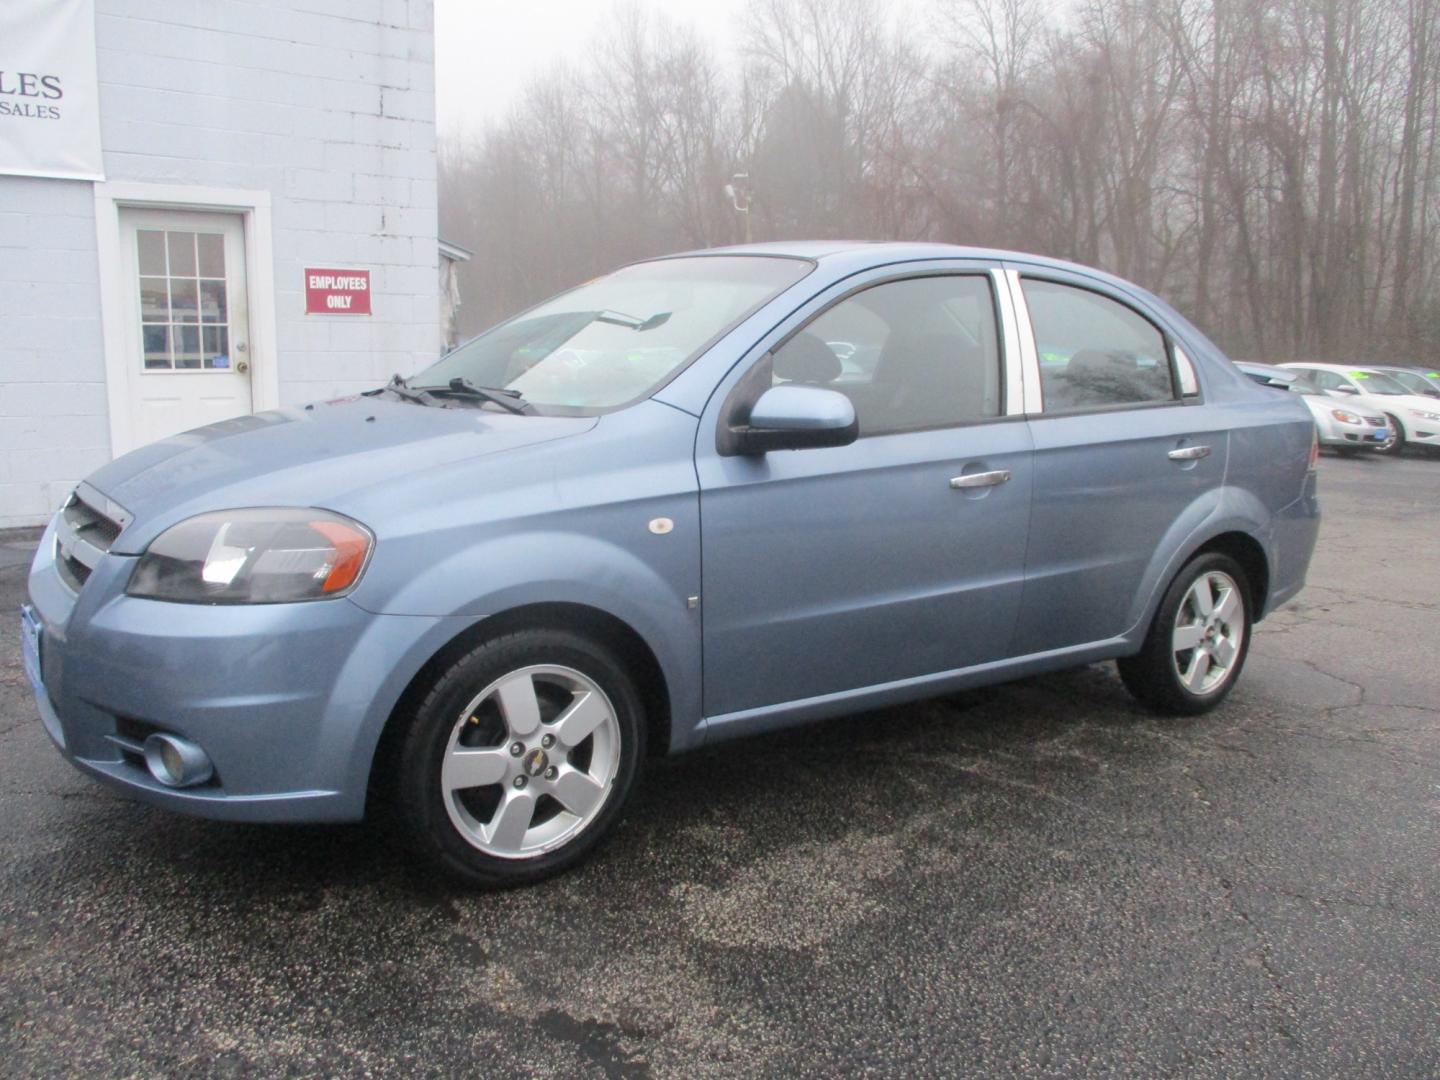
(1038, 879)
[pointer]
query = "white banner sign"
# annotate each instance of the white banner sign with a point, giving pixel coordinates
(49, 94)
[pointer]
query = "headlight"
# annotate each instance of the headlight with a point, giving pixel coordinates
(1425, 415)
(1345, 417)
(271, 555)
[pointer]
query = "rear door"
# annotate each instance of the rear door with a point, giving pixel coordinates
(898, 556)
(1123, 446)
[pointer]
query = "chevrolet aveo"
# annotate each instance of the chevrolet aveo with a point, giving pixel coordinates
(699, 497)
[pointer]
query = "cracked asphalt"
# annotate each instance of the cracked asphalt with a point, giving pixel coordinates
(1037, 879)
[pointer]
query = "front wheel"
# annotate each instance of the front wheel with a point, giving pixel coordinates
(1396, 443)
(1197, 642)
(520, 758)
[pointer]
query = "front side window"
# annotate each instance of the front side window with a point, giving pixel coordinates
(1095, 352)
(616, 339)
(911, 354)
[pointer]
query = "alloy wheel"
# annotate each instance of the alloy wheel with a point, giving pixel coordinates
(1209, 631)
(531, 761)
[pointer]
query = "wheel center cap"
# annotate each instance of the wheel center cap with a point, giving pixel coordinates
(534, 762)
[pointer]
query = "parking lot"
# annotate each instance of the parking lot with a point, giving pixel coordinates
(1035, 879)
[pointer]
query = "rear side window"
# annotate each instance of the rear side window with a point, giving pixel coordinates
(911, 354)
(1095, 352)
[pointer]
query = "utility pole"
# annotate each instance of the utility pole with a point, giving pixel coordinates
(738, 191)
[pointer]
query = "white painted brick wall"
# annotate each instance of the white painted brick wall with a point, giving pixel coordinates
(53, 427)
(327, 104)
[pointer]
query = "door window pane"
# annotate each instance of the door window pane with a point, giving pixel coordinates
(912, 354)
(157, 346)
(212, 301)
(154, 300)
(187, 346)
(184, 303)
(152, 251)
(212, 255)
(182, 253)
(1095, 352)
(217, 347)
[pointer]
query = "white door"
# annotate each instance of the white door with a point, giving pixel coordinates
(187, 330)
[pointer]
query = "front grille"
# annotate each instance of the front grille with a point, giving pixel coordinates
(89, 523)
(84, 532)
(1375, 421)
(72, 571)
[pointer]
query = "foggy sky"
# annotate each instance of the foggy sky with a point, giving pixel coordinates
(486, 51)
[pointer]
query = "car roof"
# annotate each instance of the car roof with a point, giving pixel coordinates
(886, 251)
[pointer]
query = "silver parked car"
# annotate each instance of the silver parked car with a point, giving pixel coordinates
(696, 498)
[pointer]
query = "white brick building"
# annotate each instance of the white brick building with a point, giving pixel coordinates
(243, 142)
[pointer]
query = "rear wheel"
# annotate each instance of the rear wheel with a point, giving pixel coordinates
(1198, 640)
(521, 757)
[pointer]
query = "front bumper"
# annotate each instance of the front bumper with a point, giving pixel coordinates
(1357, 436)
(288, 700)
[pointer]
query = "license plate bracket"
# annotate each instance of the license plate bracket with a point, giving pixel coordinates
(30, 645)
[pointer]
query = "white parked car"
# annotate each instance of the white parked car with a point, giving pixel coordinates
(1420, 381)
(1345, 428)
(1414, 418)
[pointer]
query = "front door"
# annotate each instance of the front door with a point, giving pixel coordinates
(897, 557)
(187, 331)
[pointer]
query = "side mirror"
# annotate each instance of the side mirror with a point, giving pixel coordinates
(1346, 390)
(794, 418)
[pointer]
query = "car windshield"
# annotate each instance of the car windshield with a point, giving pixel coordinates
(1415, 382)
(615, 339)
(1373, 382)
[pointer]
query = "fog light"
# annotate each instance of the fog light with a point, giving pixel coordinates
(177, 762)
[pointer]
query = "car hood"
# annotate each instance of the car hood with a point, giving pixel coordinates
(1392, 402)
(324, 455)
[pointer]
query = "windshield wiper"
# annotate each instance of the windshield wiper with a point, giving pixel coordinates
(509, 400)
(619, 318)
(401, 389)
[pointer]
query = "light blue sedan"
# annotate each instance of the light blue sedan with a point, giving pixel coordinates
(699, 497)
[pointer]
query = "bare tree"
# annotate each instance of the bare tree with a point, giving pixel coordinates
(1271, 164)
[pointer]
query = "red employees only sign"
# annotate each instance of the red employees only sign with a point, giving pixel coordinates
(337, 292)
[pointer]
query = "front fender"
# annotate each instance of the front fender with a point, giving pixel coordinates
(1220, 510)
(649, 594)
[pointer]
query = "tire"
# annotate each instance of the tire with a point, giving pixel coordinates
(1396, 446)
(1157, 674)
(539, 811)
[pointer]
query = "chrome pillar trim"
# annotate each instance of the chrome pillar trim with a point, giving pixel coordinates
(1030, 358)
(1012, 340)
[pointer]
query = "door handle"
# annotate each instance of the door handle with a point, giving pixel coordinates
(1190, 453)
(980, 479)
